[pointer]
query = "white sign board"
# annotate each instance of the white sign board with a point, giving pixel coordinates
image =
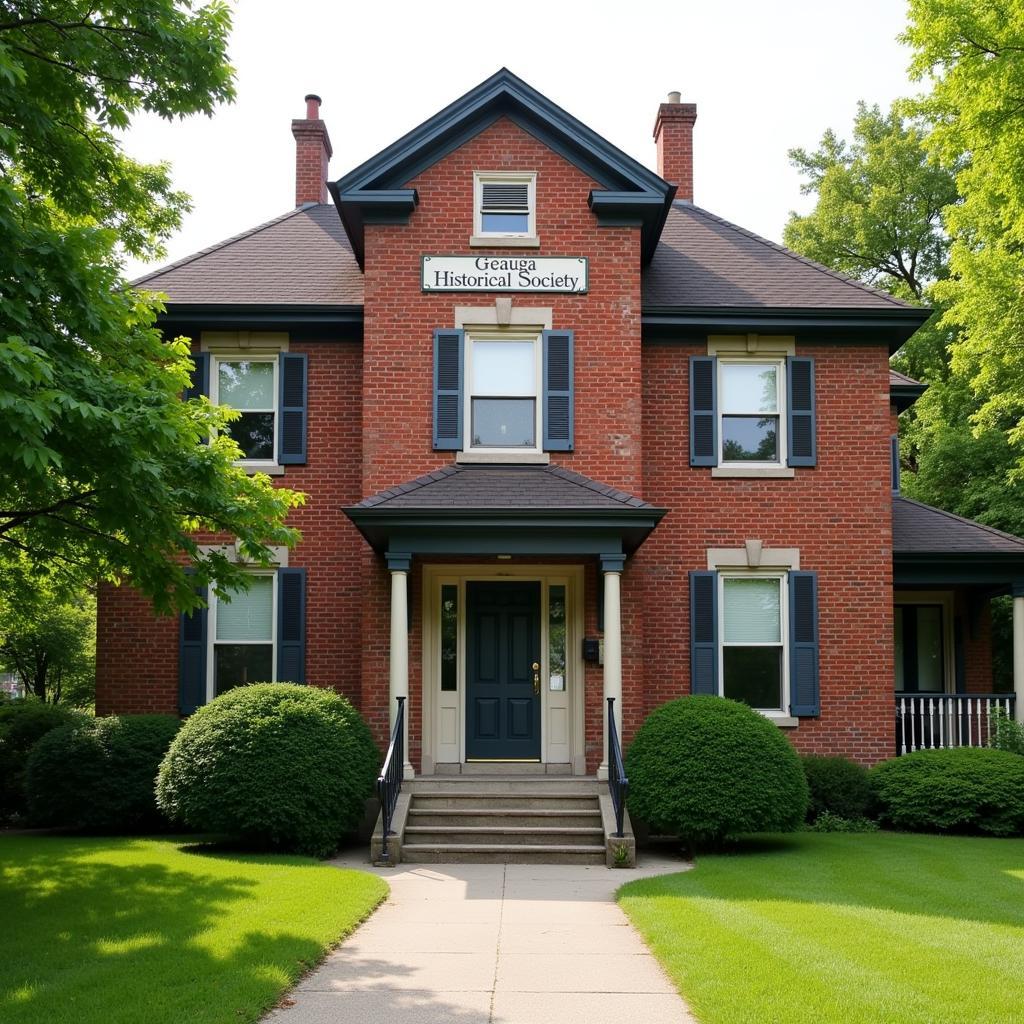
(504, 273)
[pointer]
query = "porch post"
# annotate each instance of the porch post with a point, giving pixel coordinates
(398, 671)
(611, 568)
(1018, 649)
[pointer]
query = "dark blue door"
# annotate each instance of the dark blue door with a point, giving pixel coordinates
(503, 671)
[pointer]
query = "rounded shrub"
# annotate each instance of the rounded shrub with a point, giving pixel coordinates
(838, 786)
(273, 764)
(22, 724)
(707, 769)
(966, 789)
(100, 773)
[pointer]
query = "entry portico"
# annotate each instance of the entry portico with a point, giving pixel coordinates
(503, 551)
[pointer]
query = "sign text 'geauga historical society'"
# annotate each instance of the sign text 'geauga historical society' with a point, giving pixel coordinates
(504, 274)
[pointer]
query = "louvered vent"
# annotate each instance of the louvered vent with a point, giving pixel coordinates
(505, 198)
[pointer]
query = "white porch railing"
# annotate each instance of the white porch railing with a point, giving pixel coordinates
(927, 720)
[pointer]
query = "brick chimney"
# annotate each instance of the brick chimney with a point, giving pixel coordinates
(312, 151)
(673, 135)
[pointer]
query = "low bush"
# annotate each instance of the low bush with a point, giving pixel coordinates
(968, 789)
(707, 769)
(829, 822)
(838, 786)
(22, 724)
(274, 765)
(1007, 734)
(100, 774)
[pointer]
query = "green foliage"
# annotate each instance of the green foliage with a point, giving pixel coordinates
(22, 724)
(966, 789)
(273, 764)
(829, 822)
(838, 787)
(1007, 734)
(103, 473)
(707, 769)
(100, 773)
(48, 639)
(971, 54)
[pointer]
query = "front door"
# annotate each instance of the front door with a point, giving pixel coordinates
(503, 671)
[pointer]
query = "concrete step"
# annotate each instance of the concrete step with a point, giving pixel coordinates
(501, 853)
(511, 834)
(543, 817)
(538, 784)
(505, 802)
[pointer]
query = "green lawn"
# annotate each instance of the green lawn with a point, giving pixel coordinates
(861, 929)
(121, 931)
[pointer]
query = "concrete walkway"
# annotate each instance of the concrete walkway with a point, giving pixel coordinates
(492, 944)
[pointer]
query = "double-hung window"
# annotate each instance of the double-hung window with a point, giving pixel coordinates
(243, 636)
(751, 401)
(503, 410)
(753, 631)
(504, 208)
(250, 386)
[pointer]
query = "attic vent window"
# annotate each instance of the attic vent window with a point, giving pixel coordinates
(504, 208)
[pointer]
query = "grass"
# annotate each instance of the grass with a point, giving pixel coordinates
(117, 931)
(860, 929)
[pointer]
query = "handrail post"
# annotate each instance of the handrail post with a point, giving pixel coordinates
(389, 782)
(618, 784)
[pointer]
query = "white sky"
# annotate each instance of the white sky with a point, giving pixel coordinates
(766, 75)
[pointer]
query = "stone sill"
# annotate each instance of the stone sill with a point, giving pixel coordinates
(754, 472)
(271, 469)
(503, 458)
(782, 721)
(497, 242)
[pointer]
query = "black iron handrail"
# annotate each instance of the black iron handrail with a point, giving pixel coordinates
(618, 784)
(389, 782)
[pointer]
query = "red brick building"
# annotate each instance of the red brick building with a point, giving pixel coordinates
(566, 437)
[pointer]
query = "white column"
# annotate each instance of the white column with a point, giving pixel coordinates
(1018, 650)
(398, 670)
(611, 567)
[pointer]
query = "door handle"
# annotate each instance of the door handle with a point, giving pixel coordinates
(536, 677)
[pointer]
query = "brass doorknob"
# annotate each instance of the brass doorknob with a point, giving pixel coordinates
(536, 677)
(536, 666)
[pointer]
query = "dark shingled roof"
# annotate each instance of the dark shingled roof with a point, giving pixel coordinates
(919, 529)
(901, 379)
(303, 257)
(704, 261)
(502, 487)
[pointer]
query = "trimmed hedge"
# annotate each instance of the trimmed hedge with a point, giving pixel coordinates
(838, 786)
(100, 774)
(967, 789)
(707, 769)
(275, 765)
(22, 724)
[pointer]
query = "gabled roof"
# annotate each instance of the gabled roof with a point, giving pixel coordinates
(505, 487)
(374, 192)
(920, 529)
(300, 258)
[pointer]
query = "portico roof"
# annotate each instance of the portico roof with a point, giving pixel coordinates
(501, 509)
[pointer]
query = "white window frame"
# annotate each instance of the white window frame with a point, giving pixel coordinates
(782, 399)
(498, 238)
(496, 337)
(211, 631)
(783, 581)
(248, 357)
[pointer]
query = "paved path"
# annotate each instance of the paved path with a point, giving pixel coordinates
(492, 944)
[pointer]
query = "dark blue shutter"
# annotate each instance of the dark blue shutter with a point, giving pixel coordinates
(894, 462)
(291, 625)
(803, 448)
(192, 659)
(704, 632)
(448, 370)
(703, 411)
(558, 391)
(199, 377)
(805, 698)
(291, 443)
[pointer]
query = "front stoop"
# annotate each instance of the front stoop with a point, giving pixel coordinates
(505, 820)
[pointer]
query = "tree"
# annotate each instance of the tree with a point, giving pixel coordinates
(971, 53)
(105, 473)
(50, 644)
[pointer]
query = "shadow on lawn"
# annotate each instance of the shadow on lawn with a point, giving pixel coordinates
(957, 877)
(84, 940)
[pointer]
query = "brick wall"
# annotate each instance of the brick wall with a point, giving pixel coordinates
(838, 514)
